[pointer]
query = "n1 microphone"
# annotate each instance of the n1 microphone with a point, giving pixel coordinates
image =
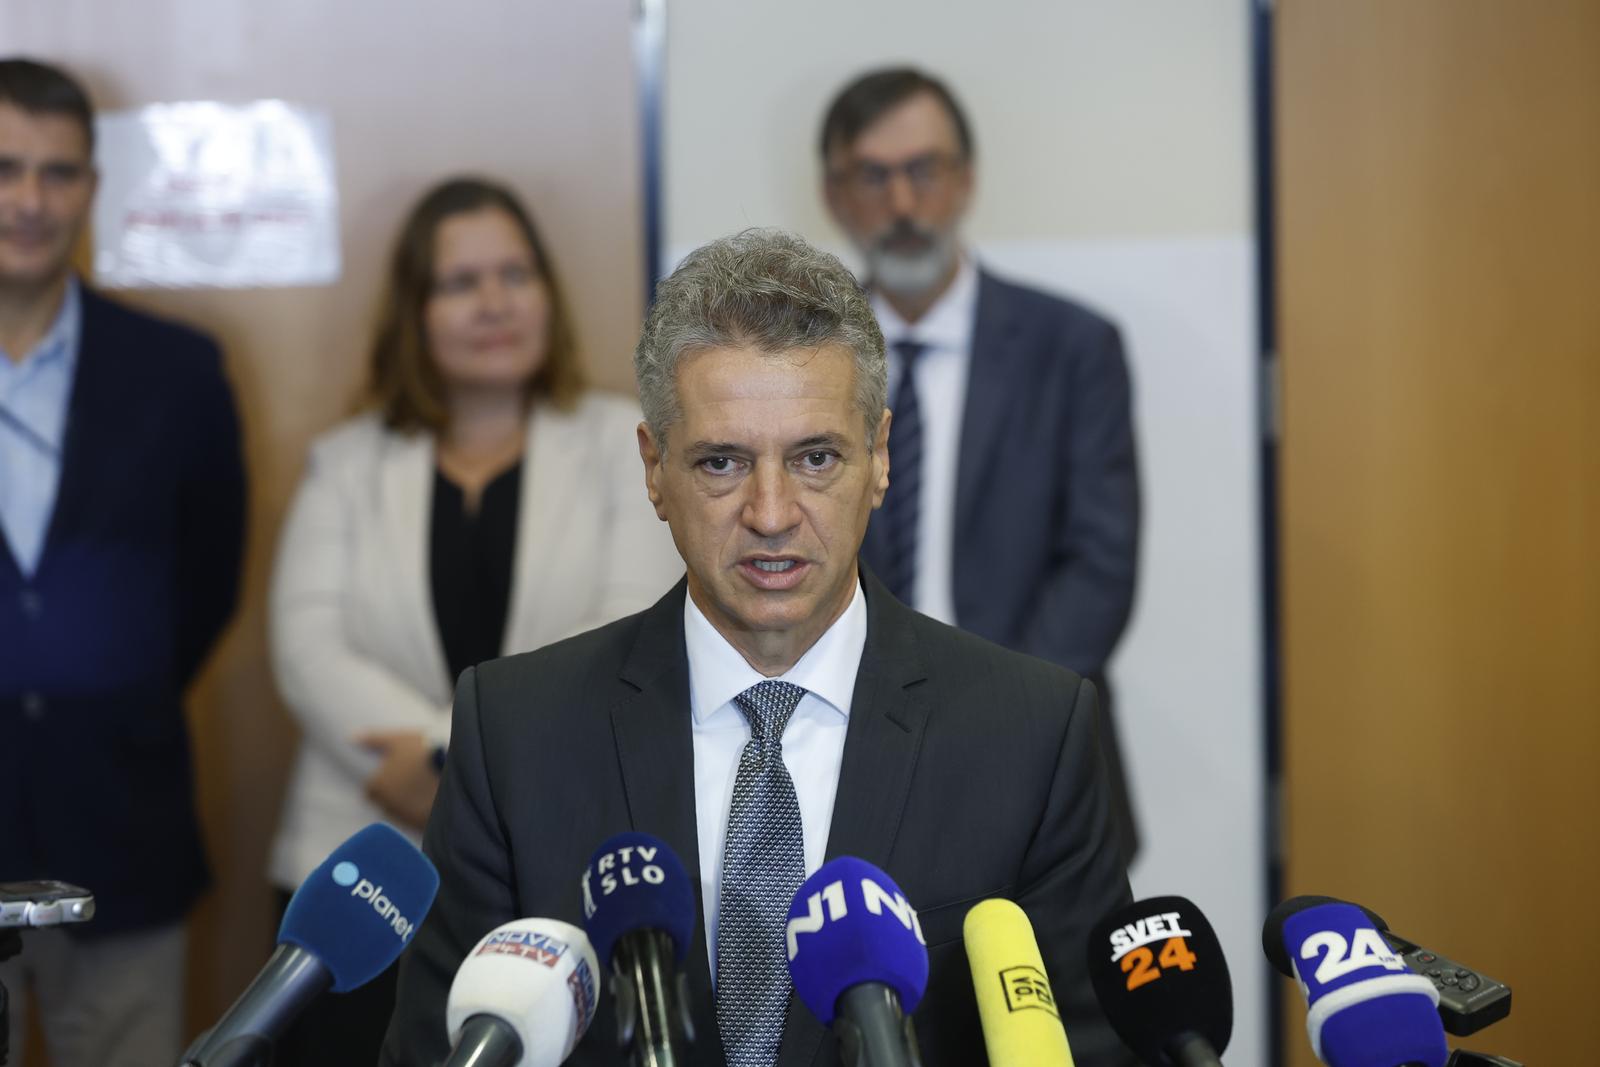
(1366, 1008)
(1160, 977)
(1021, 1024)
(345, 925)
(639, 910)
(523, 997)
(858, 961)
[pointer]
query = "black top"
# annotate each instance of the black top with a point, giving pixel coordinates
(472, 555)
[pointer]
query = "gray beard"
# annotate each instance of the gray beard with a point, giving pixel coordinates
(912, 275)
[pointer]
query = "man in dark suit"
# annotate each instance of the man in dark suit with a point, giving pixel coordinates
(122, 510)
(777, 708)
(1015, 512)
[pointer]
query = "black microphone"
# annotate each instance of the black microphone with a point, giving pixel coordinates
(1160, 977)
(345, 925)
(639, 912)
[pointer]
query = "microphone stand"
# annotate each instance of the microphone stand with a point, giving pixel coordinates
(1190, 1049)
(652, 1010)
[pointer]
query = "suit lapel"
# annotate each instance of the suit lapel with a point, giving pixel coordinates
(655, 753)
(882, 742)
(405, 506)
(992, 378)
(551, 479)
(92, 412)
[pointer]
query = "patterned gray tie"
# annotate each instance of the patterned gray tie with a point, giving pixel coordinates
(763, 865)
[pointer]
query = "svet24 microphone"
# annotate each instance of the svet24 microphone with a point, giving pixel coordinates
(1021, 1023)
(1160, 977)
(858, 961)
(639, 910)
(345, 925)
(523, 997)
(1365, 1007)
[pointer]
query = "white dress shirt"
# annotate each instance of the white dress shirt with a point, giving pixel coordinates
(942, 371)
(813, 741)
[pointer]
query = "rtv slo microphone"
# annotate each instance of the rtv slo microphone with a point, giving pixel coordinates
(523, 997)
(1365, 1007)
(639, 910)
(1160, 976)
(345, 925)
(1021, 1023)
(858, 961)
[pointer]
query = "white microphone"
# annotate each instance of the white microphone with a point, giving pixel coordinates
(523, 997)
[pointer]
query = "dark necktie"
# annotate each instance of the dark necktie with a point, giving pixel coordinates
(763, 865)
(903, 502)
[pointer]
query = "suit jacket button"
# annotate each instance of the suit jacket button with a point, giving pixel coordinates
(33, 706)
(32, 603)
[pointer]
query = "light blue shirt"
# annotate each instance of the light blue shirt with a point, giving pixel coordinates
(813, 742)
(34, 395)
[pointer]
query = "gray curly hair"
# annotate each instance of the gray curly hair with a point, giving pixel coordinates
(763, 289)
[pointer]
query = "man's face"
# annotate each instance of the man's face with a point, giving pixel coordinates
(46, 185)
(900, 190)
(767, 484)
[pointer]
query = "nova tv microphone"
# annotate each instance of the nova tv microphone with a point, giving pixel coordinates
(345, 925)
(1160, 977)
(523, 997)
(1365, 1007)
(1021, 1023)
(858, 961)
(639, 909)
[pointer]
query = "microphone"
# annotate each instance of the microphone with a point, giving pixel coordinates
(345, 925)
(1366, 1008)
(523, 997)
(639, 910)
(1160, 977)
(858, 961)
(1021, 1024)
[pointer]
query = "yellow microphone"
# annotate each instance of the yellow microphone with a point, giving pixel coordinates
(1021, 1024)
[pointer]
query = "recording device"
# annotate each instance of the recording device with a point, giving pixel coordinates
(1469, 1000)
(523, 997)
(1021, 1023)
(1365, 1007)
(639, 910)
(1160, 977)
(344, 926)
(33, 904)
(858, 961)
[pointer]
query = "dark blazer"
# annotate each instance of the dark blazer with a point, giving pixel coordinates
(969, 772)
(1047, 490)
(140, 571)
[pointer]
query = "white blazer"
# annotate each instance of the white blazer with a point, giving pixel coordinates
(354, 643)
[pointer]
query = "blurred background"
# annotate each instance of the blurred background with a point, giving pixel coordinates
(1355, 251)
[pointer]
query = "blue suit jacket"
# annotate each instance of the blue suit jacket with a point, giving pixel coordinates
(139, 573)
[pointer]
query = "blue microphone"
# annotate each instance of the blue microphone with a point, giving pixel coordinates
(639, 913)
(858, 960)
(1365, 1007)
(345, 925)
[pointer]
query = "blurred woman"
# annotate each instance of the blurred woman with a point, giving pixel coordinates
(486, 504)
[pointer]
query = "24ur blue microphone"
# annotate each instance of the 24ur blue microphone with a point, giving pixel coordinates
(345, 925)
(858, 961)
(1365, 1007)
(639, 913)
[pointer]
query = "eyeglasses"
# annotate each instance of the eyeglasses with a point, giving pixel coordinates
(925, 173)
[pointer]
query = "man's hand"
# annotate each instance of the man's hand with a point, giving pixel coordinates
(405, 782)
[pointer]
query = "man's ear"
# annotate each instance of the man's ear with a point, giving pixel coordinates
(880, 459)
(651, 455)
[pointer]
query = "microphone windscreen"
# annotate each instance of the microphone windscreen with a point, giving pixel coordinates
(1272, 928)
(1158, 972)
(1021, 1023)
(361, 905)
(539, 975)
(1365, 1007)
(850, 924)
(635, 882)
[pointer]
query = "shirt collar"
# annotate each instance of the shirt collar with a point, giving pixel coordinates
(718, 673)
(947, 324)
(60, 341)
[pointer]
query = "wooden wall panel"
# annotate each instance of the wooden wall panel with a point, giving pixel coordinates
(539, 93)
(1439, 278)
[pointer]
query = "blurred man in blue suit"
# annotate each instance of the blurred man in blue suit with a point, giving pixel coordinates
(1014, 510)
(121, 529)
